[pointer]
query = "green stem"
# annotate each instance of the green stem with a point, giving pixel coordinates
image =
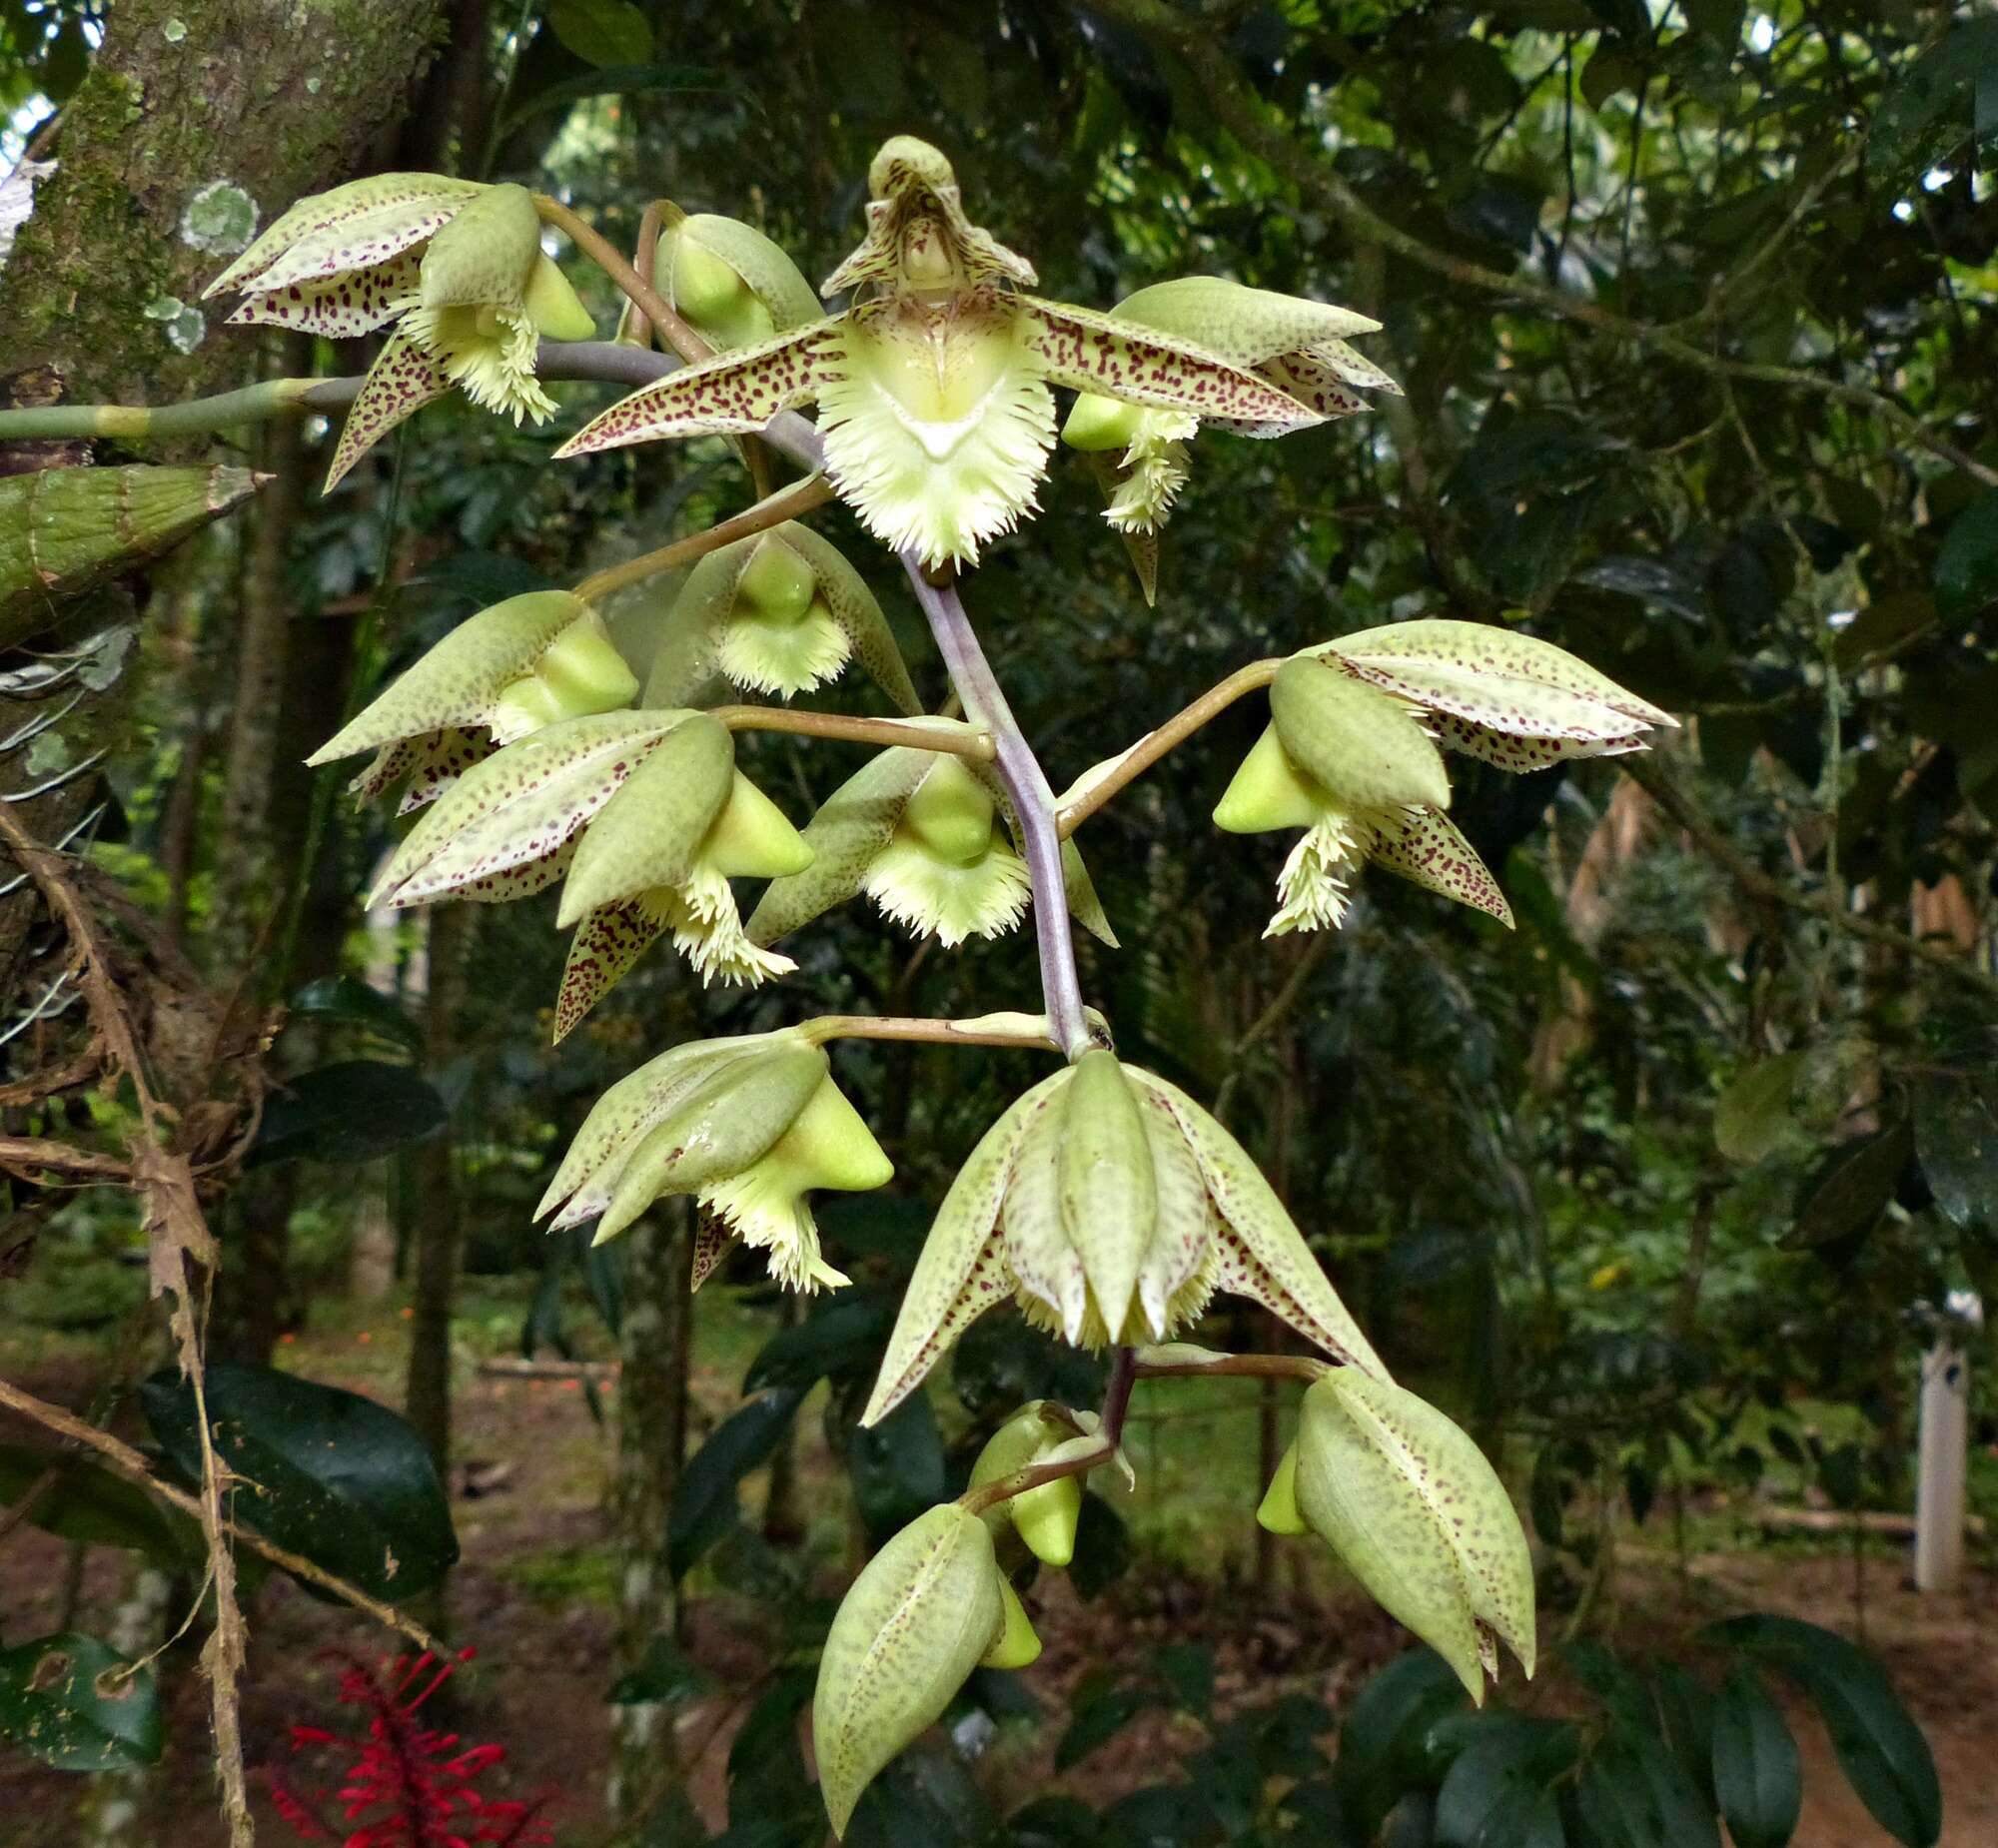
(983, 1030)
(254, 404)
(801, 497)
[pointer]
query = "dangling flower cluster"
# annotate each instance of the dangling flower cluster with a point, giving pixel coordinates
(1111, 1207)
(1351, 755)
(747, 1126)
(457, 263)
(934, 387)
(407, 1784)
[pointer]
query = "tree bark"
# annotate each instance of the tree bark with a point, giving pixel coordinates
(651, 1440)
(434, 1260)
(270, 98)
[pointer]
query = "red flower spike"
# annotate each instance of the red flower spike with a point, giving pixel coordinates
(408, 1785)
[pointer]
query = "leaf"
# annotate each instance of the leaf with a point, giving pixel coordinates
(1849, 1192)
(1632, 1794)
(354, 1109)
(341, 997)
(897, 1466)
(86, 1502)
(1096, 1720)
(324, 1473)
(1882, 627)
(1956, 1136)
(1966, 572)
(1881, 1750)
(843, 1334)
(704, 1506)
(1496, 1795)
(1383, 1738)
(1102, 1548)
(1752, 1119)
(602, 32)
(62, 1700)
(1757, 1772)
(664, 1674)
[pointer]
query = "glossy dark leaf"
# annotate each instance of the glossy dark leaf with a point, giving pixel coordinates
(1102, 1548)
(897, 1466)
(323, 1473)
(1383, 1739)
(1852, 1188)
(602, 32)
(1758, 1771)
(664, 1673)
(844, 1335)
(342, 998)
(1096, 1720)
(704, 1501)
(357, 1110)
(1956, 1136)
(1880, 1749)
(72, 1702)
(1498, 1791)
(88, 1503)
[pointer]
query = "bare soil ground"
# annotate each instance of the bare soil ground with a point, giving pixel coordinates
(532, 1597)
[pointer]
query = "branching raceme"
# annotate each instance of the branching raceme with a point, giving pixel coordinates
(1106, 1201)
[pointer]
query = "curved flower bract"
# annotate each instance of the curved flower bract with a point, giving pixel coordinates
(780, 612)
(747, 1126)
(457, 263)
(1111, 1207)
(934, 384)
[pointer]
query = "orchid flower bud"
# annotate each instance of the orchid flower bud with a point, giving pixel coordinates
(1044, 1517)
(1420, 1516)
(779, 613)
(749, 1127)
(1112, 1207)
(924, 1612)
(730, 282)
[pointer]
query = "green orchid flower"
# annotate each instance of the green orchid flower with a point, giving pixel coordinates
(457, 263)
(1351, 754)
(513, 669)
(933, 386)
(647, 818)
(749, 1127)
(1111, 1207)
(727, 280)
(931, 838)
(1296, 345)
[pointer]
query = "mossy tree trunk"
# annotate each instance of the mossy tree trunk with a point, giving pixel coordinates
(194, 124)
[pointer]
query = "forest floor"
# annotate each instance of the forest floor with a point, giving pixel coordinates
(533, 1596)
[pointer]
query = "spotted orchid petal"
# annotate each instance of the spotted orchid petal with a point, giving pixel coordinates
(522, 803)
(1098, 352)
(606, 944)
(961, 1272)
(625, 1114)
(1263, 1254)
(1414, 1508)
(733, 394)
(425, 768)
(339, 307)
(1245, 327)
(918, 234)
(350, 227)
(402, 380)
(1426, 848)
(1494, 680)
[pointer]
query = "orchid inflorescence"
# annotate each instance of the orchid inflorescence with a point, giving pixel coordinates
(1106, 1203)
